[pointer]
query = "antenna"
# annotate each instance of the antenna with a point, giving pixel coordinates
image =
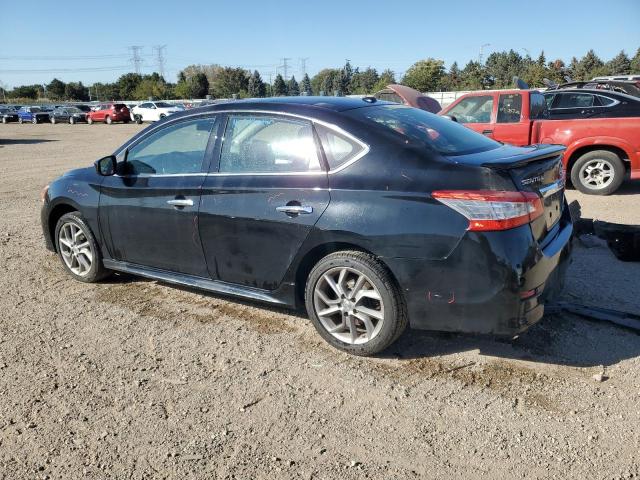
(136, 59)
(160, 60)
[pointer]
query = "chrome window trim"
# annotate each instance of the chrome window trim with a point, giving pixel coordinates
(331, 126)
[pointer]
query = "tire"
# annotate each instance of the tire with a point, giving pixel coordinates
(381, 331)
(4, 120)
(53, 120)
(71, 223)
(138, 119)
(20, 120)
(72, 120)
(162, 115)
(90, 120)
(125, 121)
(34, 120)
(599, 172)
(108, 120)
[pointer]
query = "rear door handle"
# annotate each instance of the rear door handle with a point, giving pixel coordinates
(181, 202)
(487, 132)
(295, 209)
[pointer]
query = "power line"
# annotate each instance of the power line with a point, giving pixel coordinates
(136, 59)
(63, 70)
(285, 66)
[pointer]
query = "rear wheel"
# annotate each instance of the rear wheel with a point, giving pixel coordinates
(354, 303)
(108, 120)
(138, 119)
(20, 120)
(53, 120)
(72, 120)
(4, 120)
(78, 250)
(599, 172)
(34, 120)
(90, 120)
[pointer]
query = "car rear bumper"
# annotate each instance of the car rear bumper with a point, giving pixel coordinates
(491, 283)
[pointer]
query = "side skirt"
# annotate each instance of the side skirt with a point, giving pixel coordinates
(277, 297)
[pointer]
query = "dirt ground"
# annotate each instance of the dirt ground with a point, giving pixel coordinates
(137, 379)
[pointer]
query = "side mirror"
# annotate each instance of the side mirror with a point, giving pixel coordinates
(451, 117)
(106, 166)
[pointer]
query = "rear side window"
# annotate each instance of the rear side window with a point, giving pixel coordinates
(431, 131)
(573, 100)
(176, 149)
(266, 144)
(338, 148)
(476, 109)
(606, 101)
(509, 108)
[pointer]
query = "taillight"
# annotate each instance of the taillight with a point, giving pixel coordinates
(493, 209)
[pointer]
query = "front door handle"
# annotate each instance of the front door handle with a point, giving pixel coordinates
(294, 209)
(487, 132)
(181, 202)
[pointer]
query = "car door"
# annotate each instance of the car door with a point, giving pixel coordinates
(267, 190)
(475, 112)
(149, 210)
(511, 127)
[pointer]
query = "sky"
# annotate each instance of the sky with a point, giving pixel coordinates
(89, 41)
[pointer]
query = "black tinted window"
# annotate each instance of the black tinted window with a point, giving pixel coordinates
(573, 100)
(264, 144)
(432, 131)
(538, 106)
(509, 108)
(176, 149)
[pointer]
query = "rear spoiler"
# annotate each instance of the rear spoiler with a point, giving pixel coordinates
(541, 152)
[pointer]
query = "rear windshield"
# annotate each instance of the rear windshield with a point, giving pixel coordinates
(163, 105)
(438, 133)
(118, 106)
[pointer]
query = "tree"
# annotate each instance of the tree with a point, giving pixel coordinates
(364, 82)
(451, 80)
(293, 89)
(127, 85)
(387, 77)
(151, 86)
(26, 91)
(105, 91)
(346, 75)
(325, 80)
(474, 77)
(279, 87)
(619, 65)
(501, 67)
(557, 71)
(588, 67)
(425, 75)
(55, 89)
(230, 81)
(635, 62)
(199, 85)
(76, 91)
(256, 87)
(305, 85)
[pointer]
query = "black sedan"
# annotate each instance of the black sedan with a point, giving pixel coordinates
(371, 214)
(8, 114)
(582, 103)
(70, 115)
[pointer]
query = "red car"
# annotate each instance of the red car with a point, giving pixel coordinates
(600, 151)
(109, 113)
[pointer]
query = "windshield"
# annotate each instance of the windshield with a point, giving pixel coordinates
(438, 133)
(83, 108)
(163, 105)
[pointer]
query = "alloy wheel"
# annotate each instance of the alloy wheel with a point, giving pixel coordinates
(348, 305)
(597, 174)
(75, 249)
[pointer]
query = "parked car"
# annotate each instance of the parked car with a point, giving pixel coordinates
(629, 86)
(109, 113)
(568, 104)
(153, 111)
(83, 108)
(8, 114)
(33, 114)
(600, 151)
(71, 115)
(371, 214)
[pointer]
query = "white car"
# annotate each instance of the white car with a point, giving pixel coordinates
(153, 111)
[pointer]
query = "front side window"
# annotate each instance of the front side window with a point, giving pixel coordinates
(425, 129)
(475, 109)
(265, 144)
(177, 149)
(509, 108)
(538, 106)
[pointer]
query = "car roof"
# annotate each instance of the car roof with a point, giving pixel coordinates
(335, 104)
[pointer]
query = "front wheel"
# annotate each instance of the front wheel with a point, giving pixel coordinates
(599, 172)
(354, 304)
(34, 120)
(20, 121)
(53, 120)
(72, 120)
(138, 119)
(108, 120)
(78, 250)
(4, 120)
(90, 121)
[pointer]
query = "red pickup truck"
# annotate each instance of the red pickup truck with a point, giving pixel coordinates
(600, 151)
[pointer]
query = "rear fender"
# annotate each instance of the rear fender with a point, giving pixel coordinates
(604, 142)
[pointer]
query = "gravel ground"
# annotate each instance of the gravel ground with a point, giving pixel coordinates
(137, 379)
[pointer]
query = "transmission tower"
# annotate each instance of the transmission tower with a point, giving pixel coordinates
(160, 60)
(285, 67)
(136, 58)
(303, 66)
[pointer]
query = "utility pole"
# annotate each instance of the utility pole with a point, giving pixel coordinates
(160, 60)
(136, 59)
(480, 55)
(285, 67)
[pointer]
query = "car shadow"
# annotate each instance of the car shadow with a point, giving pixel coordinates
(24, 141)
(628, 187)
